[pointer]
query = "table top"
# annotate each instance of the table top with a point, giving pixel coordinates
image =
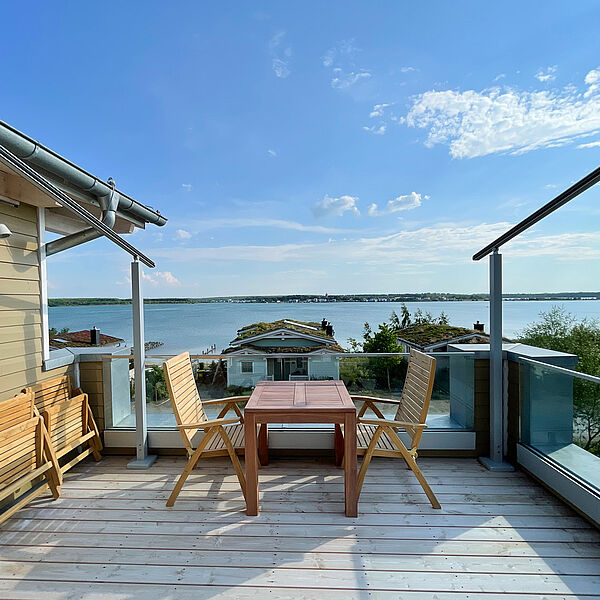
(301, 396)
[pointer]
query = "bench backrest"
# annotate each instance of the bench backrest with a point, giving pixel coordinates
(416, 393)
(52, 391)
(18, 438)
(187, 405)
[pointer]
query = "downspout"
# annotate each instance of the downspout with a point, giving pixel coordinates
(108, 204)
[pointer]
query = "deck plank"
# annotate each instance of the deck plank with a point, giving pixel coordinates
(111, 536)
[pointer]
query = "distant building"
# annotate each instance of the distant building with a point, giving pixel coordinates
(83, 339)
(429, 337)
(245, 366)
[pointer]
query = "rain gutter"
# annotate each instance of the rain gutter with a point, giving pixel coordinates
(54, 165)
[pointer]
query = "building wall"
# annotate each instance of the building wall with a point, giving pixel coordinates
(236, 377)
(20, 303)
(325, 367)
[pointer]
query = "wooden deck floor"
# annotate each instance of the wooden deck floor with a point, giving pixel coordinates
(110, 537)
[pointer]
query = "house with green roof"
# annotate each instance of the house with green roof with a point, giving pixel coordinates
(259, 351)
(435, 337)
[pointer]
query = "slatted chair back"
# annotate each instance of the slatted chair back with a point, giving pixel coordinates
(25, 451)
(68, 419)
(416, 394)
(220, 434)
(187, 405)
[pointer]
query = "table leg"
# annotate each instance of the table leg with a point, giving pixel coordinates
(263, 445)
(350, 465)
(251, 460)
(338, 445)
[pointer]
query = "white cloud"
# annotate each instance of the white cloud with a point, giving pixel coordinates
(343, 80)
(499, 77)
(243, 223)
(590, 145)
(593, 80)
(378, 110)
(407, 202)
(475, 123)
(187, 187)
(280, 54)
(182, 234)
(376, 129)
(341, 60)
(408, 69)
(157, 278)
(280, 68)
(547, 74)
(438, 244)
(335, 206)
(384, 116)
(271, 152)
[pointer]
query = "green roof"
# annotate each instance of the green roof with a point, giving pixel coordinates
(306, 327)
(426, 334)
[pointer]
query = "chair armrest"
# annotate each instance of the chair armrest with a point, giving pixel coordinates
(206, 424)
(225, 400)
(392, 423)
(375, 400)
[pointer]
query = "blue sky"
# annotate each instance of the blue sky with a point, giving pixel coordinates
(319, 147)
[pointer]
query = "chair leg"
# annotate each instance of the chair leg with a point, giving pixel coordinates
(208, 435)
(411, 463)
(419, 475)
(234, 459)
(367, 459)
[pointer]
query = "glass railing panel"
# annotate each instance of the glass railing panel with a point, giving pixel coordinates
(451, 406)
(382, 376)
(560, 417)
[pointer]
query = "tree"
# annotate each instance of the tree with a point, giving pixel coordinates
(559, 330)
(385, 340)
(156, 386)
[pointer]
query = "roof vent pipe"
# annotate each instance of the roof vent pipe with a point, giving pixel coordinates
(108, 205)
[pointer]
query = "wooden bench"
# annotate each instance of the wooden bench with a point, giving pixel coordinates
(68, 419)
(26, 452)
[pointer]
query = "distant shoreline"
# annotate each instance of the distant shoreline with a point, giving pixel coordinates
(330, 298)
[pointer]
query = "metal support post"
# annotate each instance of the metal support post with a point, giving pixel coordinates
(496, 460)
(143, 460)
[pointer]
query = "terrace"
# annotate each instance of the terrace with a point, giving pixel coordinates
(110, 536)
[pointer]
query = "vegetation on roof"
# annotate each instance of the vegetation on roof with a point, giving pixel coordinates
(262, 327)
(287, 349)
(425, 334)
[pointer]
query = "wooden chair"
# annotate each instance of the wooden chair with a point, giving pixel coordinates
(379, 436)
(68, 419)
(222, 436)
(26, 452)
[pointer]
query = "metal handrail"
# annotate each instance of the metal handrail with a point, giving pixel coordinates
(290, 355)
(570, 372)
(583, 184)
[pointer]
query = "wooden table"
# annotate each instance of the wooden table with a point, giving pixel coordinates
(301, 402)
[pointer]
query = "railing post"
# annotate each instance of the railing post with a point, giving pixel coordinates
(143, 460)
(496, 460)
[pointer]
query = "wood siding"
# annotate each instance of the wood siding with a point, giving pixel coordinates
(91, 382)
(20, 303)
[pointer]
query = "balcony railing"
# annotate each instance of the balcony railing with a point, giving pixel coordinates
(218, 376)
(560, 429)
